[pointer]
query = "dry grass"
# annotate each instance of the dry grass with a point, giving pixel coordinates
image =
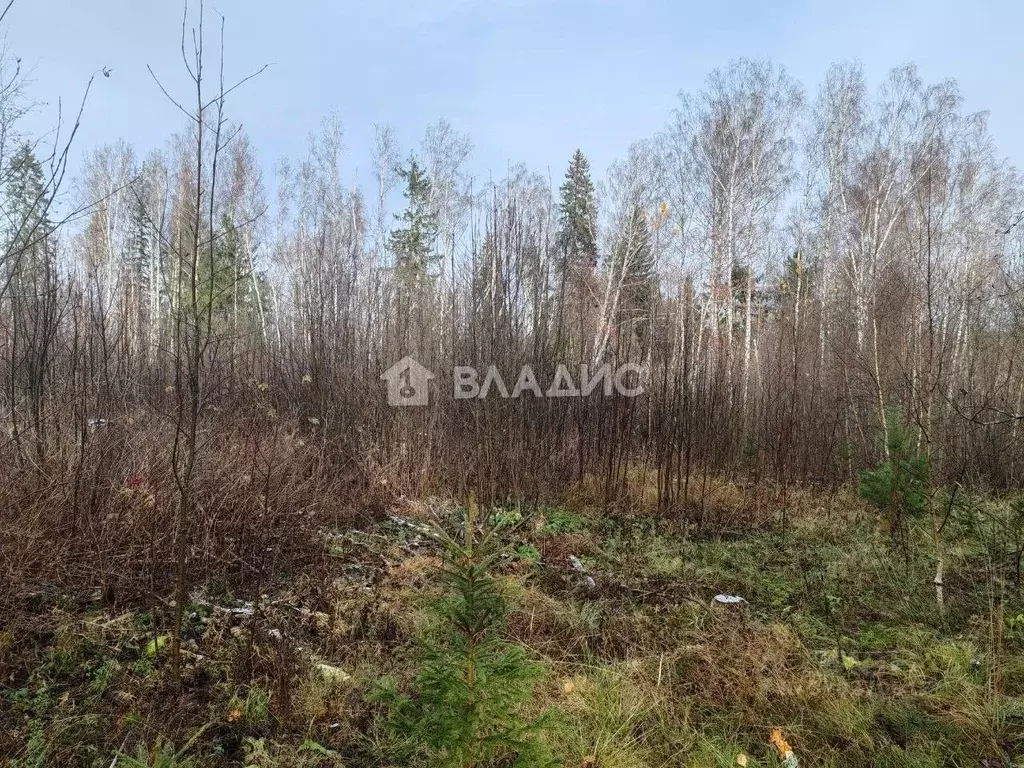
(642, 669)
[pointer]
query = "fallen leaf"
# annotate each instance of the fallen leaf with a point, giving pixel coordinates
(783, 747)
(741, 759)
(154, 645)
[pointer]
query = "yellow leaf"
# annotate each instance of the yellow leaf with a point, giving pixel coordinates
(568, 686)
(741, 759)
(153, 646)
(781, 745)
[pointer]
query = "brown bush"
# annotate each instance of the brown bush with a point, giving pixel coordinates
(95, 522)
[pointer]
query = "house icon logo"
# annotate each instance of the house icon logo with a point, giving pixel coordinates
(407, 382)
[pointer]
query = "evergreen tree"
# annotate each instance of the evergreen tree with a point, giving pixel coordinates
(226, 285)
(577, 236)
(577, 256)
(640, 282)
(467, 709)
(900, 485)
(28, 257)
(413, 242)
(739, 277)
(26, 212)
(634, 256)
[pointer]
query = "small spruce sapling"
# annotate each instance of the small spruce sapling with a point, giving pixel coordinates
(468, 701)
(899, 486)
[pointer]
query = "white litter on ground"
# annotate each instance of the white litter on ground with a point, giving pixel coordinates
(729, 599)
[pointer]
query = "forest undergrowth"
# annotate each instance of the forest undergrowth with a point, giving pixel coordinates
(426, 632)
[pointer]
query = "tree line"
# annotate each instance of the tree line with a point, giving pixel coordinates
(789, 266)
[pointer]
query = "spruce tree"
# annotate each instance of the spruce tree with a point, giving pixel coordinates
(900, 485)
(413, 242)
(636, 251)
(26, 217)
(29, 267)
(226, 285)
(634, 255)
(467, 706)
(577, 236)
(577, 256)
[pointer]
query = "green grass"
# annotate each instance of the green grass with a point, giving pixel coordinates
(841, 645)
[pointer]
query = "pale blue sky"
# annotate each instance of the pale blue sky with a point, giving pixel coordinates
(529, 80)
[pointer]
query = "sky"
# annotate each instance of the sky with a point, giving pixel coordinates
(528, 80)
